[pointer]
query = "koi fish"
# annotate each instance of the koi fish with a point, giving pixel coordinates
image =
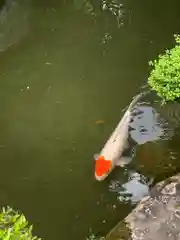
(111, 155)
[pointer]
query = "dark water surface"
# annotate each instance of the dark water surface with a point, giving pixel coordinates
(63, 67)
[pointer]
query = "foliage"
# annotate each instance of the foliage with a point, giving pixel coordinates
(165, 76)
(14, 226)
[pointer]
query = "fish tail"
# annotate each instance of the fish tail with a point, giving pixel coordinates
(136, 98)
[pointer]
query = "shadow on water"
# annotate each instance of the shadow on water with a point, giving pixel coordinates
(67, 70)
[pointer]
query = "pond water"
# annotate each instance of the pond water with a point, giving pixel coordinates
(67, 70)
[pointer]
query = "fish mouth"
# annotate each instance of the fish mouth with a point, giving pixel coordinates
(100, 178)
(102, 168)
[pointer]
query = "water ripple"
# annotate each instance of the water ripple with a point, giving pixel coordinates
(147, 125)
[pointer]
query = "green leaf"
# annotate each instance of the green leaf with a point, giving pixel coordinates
(14, 226)
(164, 76)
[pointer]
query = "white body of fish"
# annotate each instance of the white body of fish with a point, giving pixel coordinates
(118, 142)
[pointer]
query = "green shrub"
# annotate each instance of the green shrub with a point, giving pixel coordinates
(165, 76)
(14, 226)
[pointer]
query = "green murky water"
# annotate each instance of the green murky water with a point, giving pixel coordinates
(63, 66)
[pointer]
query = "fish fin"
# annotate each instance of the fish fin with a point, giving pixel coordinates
(123, 161)
(96, 156)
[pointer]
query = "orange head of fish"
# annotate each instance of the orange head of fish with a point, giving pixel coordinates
(102, 166)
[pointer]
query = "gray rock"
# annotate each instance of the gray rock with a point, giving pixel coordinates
(156, 217)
